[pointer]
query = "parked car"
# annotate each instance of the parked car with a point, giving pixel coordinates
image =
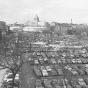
(64, 54)
(78, 61)
(41, 60)
(31, 61)
(53, 55)
(4, 84)
(63, 61)
(81, 67)
(9, 77)
(84, 60)
(42, 68)
(68, 67)
(38, 84)
(44, 73)
(86, 65)
(53, 72)
(75, 67)
(59, 61)
(45, 59)
(81, 72)
(68, 60)
(36, 62)
(49, 68)
(86, 71)
(74, 72)
(68, 86)
(73, 60)
(16, 84)
(55, 83)
(85, 86)
(81, 82)
(86, 80)
(77, 86)
(73, 82)
(37, 73)
(53, 61)
(47, 83)
(59, 71)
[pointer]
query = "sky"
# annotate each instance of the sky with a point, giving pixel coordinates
(61, 11)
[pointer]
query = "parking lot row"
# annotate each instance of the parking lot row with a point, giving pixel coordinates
(57, 70)
(61, 83)
(41, 61)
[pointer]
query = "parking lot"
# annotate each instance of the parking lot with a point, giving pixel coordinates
(62, 69)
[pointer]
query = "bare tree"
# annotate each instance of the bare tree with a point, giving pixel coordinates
(10, 56)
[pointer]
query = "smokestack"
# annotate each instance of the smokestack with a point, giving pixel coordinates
(71, 21)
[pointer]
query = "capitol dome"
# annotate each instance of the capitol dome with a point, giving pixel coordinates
(36, 18)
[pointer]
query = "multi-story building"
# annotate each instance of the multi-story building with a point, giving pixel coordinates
(35, 25)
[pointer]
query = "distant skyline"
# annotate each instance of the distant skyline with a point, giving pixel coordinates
(61, 11)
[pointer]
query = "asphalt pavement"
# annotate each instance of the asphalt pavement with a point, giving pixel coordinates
(2, 72)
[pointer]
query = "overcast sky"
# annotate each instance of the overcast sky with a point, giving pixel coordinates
(48, 10)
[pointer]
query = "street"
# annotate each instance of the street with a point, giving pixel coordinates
(2, 72)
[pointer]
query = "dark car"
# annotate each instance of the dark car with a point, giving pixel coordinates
(4, 84)
(73, 83)
(31, 61)
(48, 55)
(68, 86)
(45, 60)
(55, 83)
(53, 61)
(52, 73)
(81, 72)
(87, 60)
(41, 61)
(37, 72)
(59, 61)
(86, 71)
(59, 71)
(16, 84)
(77, 86)
(38, 84)
(47, 83)
(68, 60)
(84, 60)
(63, 61)
(81, 67)
(86, 80)
(75, 67)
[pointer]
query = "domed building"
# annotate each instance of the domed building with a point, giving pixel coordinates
(36, 18)
(35, 25)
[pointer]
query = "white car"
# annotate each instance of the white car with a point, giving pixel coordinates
(73, 60)
(36, 62)
(86, 65)
(81, 82)
(9, 77)
(72, 55)
(48, 68)
(78, 61)
(74, 72)
(68, 67)
(44, 72)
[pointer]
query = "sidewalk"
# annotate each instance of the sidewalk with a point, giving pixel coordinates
(2, 72)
